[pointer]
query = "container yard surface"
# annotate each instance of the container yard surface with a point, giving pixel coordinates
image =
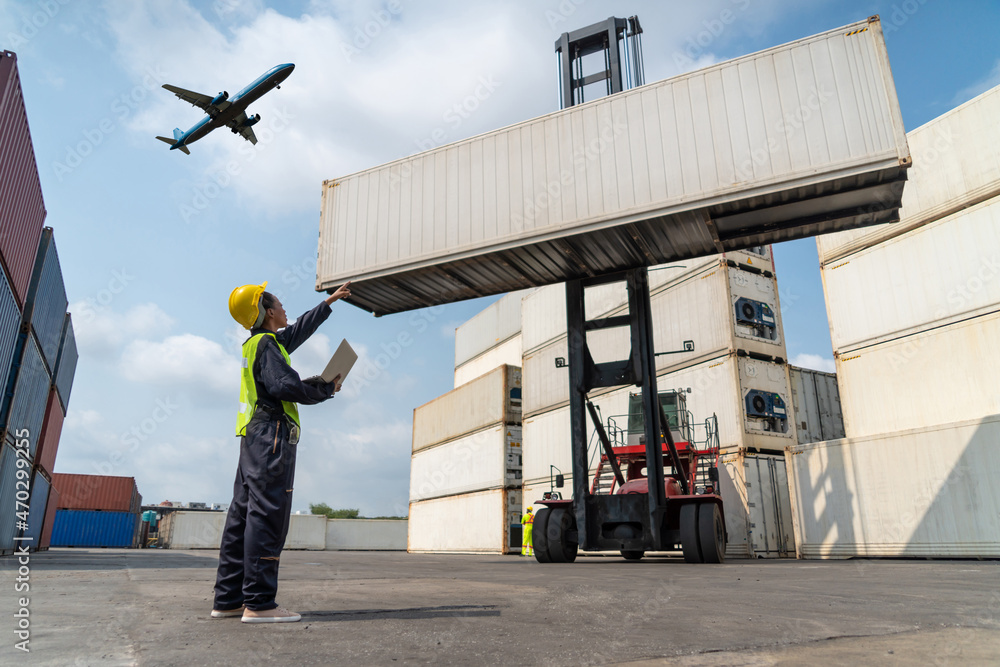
(151, 607)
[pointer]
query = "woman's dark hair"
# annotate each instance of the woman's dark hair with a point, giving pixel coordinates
(268, 300)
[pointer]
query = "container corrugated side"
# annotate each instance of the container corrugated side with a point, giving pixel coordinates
(46, 305)
(927, 493)
(36, 512)
(192, 530)
(27, 406)
(507, 353)
(48, 445)
(491, 399)
(66, 365)
(469, 523)
(93, 529)
(816, 405)
(492, 326)
(96, 492)
(487, 459)
(936, 377)
(954, 166)
(10, 328)
(465, 220)
(49, 520)
(8, 496)
(22, 209)
(943, 272)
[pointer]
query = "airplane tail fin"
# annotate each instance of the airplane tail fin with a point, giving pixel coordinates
(183, 148)
(178, 133)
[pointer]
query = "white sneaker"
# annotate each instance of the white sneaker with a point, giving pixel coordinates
(276, 615)
(228, 613)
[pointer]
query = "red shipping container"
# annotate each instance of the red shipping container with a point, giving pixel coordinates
(50, 518)
(22, 209)
(96, 492)
(48, 443)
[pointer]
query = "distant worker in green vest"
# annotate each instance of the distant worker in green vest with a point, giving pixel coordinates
(526, 522)
(268, 427)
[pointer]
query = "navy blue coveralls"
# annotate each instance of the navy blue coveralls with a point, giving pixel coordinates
(257, 523)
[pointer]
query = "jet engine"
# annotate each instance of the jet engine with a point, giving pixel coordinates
(220, 98)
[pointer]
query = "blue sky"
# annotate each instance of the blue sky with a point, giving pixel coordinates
(153, 241)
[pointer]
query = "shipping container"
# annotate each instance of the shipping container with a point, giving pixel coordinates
(48, 441)
(470, 523)
(366, 534)
(708, 308)
(97, 492)
(49, 520)
(494, 398)
(46, 306)
(66, 364)
(506, 353)
(942, 272)
(10, 487)
(754, 490)
(487, 459)
(22, 209)
(724, 387)
(31, 388)
(815, 405)
(10, 330)
(192, 530)
(936, 377)
(497, 323)
(954, 166)
(926, 492)
(92, 529)
(743, 153)
(32, 535)
(306, 532)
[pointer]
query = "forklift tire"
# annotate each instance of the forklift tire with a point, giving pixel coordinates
(559, 524)
(629, 554)
(711, 534)
(689, 533)
(539, 535)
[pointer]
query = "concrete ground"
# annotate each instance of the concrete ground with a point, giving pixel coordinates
(120, 607)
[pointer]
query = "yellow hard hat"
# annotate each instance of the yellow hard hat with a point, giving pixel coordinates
(245, 306)
(529, 509)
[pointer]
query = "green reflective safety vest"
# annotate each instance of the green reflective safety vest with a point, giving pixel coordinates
(248, 387)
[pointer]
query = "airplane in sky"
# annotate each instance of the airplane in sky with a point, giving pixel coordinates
(225, 110)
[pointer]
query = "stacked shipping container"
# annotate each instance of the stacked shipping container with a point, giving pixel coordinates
(490, 339)
(914, 311)
(95, 511)
(33, 322)
(465, 471)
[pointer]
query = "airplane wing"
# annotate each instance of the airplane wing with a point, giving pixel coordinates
(197, 99)
(236, 125)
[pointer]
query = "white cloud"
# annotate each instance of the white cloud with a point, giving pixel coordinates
(815, 361)
(185, 360)
(101, 332)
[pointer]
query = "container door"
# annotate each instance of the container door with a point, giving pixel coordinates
(769, 507)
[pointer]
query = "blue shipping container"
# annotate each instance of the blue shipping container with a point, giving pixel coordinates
(66, 366)
(46, 305)
(10, 326)
(88, 528)
(8, 497)
(36, 514)
(27, 408)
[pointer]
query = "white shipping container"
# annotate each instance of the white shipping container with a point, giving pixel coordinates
(306, 531)
(815, 405)
(487, 459)
(754, 490)
(940, 273)
(508, 352)
(366, 535)
(471, 523)
(954, 166)
(936, 377)
(751, 151)
(192, 530)
(928, 492)
(702, 308)
(491, 399)
(497, 323)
